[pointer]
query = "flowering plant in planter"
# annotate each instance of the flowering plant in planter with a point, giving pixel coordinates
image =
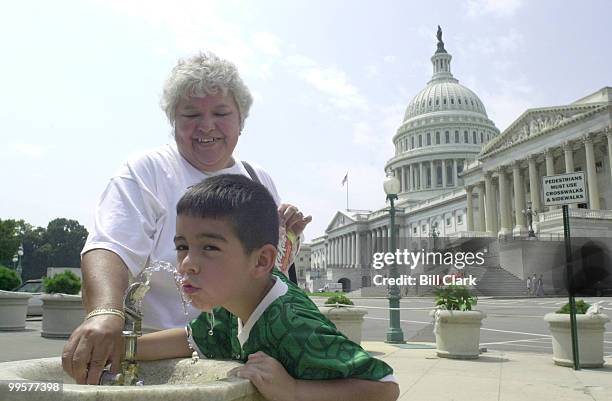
(456, 325)
(455, 297)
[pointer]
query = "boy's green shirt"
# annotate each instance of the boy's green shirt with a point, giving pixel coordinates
(295, 333)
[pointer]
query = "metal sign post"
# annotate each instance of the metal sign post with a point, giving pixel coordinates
(564, 189)
(570, 287)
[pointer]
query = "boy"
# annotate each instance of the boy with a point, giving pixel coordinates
(226, 236)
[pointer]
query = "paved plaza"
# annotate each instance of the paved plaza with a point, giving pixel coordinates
(516, 366)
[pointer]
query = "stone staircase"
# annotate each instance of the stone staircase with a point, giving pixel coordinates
(495, 281)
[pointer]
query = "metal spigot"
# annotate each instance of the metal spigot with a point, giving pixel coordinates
(132, 329)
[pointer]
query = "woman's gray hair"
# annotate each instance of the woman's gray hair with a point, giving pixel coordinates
(201, 75)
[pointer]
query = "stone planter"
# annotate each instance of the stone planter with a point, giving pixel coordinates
(457, 333)
(62, 313)
(348, 320)
(13, 310)
(590, 338)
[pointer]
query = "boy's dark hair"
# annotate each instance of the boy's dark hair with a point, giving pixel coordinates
(246, 204)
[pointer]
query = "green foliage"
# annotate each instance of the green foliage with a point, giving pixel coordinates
(9, 279)
(581, 307)
(62, 283)
(323, 294)
(338, 299)
(455, 297)
(9, 239)
(59, 244)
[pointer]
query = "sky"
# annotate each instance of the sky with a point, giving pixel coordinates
(81, 82)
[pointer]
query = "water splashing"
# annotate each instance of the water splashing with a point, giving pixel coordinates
(145, 278)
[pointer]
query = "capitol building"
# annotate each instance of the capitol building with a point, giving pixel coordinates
(462, 179)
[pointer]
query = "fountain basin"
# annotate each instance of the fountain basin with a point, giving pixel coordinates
(170, 379)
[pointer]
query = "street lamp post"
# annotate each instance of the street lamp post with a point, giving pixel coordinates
(19, 254)
(395, 334)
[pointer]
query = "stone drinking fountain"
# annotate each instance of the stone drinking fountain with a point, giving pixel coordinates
(170, 379)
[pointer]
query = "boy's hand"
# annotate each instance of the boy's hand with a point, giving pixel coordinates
(268, 375)
(293, 219)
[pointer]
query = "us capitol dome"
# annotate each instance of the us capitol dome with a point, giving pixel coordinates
(444, 127)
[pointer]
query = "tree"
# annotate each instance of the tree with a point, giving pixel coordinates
(9, 240)
(59, 244)
(66, 238)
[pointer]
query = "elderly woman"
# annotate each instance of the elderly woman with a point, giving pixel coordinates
(206, 103)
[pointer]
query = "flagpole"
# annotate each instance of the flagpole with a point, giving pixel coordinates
(347, 184)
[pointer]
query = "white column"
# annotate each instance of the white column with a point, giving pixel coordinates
(400, 176)
(591, 173)
(504, 202)
(519, 199)
(481, 207)
(409, 177)
(534, 184)
(569, 161)
(347, 250)
(423, 179)
(358, 259)
(470, 211)
(376, 240)
(569, 157)
(443, 173)
(609, 136)
(431, 174)
(550, 162)
(434, 173)
(550, 168)
(455, 174)
(491, 224)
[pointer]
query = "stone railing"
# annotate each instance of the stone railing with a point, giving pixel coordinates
(577, 213)
(471, 234)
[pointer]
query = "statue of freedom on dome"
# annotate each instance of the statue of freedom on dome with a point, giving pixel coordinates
(441, 48)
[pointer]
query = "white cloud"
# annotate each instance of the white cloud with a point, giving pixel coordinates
(372, 71)
(501, 8)
(29, 149)
(389, 59)
(298, 60)
(267, 43)
(335, 84)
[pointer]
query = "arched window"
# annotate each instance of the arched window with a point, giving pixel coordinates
(437, 102)
(412, 142)
(428, 138)
(444, 100)
(474, 137)
(437, 138)
(481, 138)
(456, 136)
(459, 100)
(465, 137)
(447, 137)
(420, 141)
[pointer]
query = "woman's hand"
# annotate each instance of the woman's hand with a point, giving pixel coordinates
(293, 219)
(91, 345)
